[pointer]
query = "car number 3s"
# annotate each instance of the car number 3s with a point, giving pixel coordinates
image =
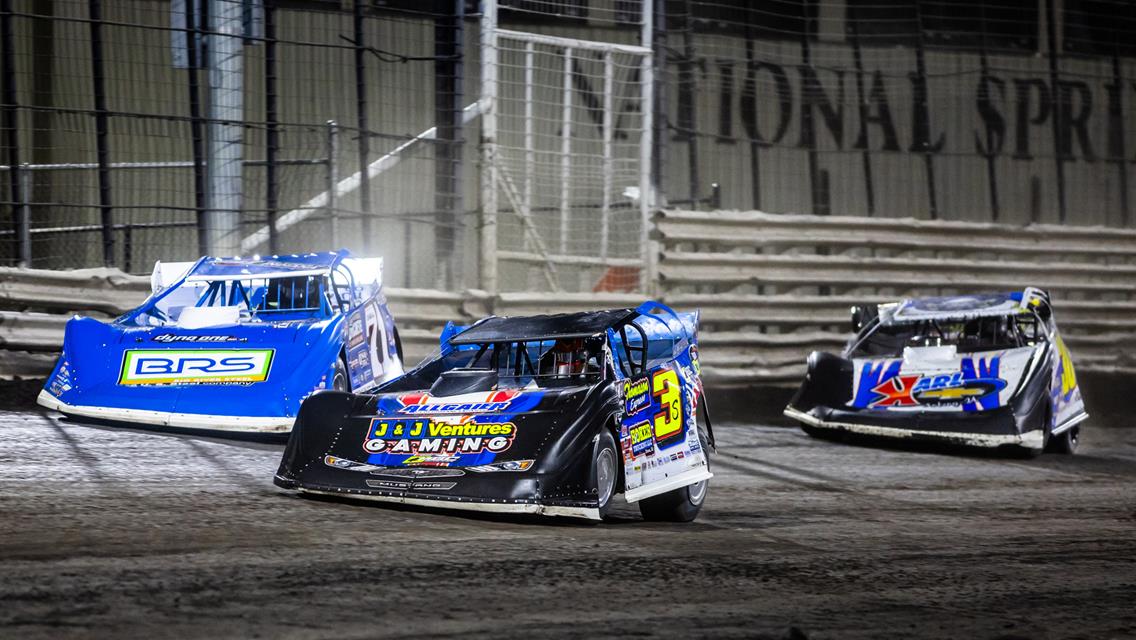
(665, 387)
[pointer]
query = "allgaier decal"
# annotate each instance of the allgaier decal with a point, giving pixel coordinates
(415, 429)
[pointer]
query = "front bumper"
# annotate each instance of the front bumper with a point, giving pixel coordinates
(511, 494)
(991, 429)
(250, 424)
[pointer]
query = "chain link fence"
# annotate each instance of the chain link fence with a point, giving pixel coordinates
(137, 130)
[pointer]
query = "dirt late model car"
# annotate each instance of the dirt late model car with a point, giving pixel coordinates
(980, 370)
(231, 344)
(544, 414)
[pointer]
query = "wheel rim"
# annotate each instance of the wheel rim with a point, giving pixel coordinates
(339, 383)
(697, 492)
(605, 475)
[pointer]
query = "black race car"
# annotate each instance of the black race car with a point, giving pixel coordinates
(546, 414)
(979, 370)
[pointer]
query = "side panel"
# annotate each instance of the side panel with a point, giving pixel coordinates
(659, 428)
(372, 357)
(1063, 389)
(360, 368)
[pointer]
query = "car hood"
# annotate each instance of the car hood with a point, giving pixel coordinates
(939, 379)
(470, 429)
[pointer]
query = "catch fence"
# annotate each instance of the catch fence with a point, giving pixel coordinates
(138, 130)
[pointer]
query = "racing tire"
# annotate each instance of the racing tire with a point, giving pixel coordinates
(1066, 442)
(339, 379)
(680, 505)
(398, 347)
(605, 471)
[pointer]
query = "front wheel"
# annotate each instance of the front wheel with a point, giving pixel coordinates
(339, 380)
(605, 466)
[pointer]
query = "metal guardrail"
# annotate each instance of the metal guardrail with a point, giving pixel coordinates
(770, 284)
(771, 288)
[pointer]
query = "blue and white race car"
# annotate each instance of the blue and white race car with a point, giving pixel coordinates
(231, 344)
(979, 370)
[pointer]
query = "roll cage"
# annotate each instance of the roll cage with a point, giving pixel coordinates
(315, 293)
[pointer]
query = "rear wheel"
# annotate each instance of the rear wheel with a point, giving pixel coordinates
(680, 505)
(605, 467)
(1066, 442)
(339, 381)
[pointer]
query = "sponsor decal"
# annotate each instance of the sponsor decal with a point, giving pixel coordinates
(389, 485)
(167, 338)
(419, 437)
(636, 395)
(694, 360)
(420, 472)
(973, 387)
(430, 461)
(199, 366)
(642, 439)
(422, 403)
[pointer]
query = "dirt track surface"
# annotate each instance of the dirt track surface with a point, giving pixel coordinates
(120, 533)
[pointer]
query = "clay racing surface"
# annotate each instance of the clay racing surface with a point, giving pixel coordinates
(109, 532)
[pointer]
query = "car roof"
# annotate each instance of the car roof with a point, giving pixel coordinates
(278, 266)
(965, 306)
(544, 327)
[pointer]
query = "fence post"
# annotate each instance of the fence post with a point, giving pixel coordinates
(646, 147)
(1056, 107)
(195, 124)
(488, 236)
(24, 215)
(11, 113)
(226, 111)
(364, 134)
(272, 133)
(333, 180)
(102, 151)
(448, 97)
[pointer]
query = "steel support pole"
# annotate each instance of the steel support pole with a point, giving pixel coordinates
(449, 35)
(102, 150)
(566, 152)
(24, 214)
(488, 234)
(226, 111)
(1057, 107)
(11, 121)
(196, 126)
(272, 132)
(361, 122)
(646, 187)
(608, 161)
(530, 144)
(333, 180)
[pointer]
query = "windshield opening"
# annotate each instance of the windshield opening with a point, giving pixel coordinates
(968, 336)
(214, 302)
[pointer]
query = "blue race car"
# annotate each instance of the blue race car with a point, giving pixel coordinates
(232, 344)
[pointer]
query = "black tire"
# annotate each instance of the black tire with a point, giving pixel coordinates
(1066, 442)
(605, 471)
(680, 505)
(339, 379)
(398, 347)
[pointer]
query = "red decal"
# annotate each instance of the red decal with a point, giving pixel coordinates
(896, 392)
